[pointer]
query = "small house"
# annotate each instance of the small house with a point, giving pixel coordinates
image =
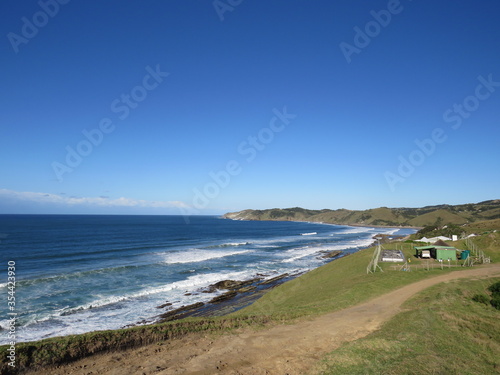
(436, 252)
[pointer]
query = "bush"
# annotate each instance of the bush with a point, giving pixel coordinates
(495, 289)
(495, 302)
(481, 298)
(427, 229)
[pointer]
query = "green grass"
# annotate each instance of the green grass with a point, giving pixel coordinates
(442, 215)
(489, 242)
(443, 332)
(482, 226)
(337, 285)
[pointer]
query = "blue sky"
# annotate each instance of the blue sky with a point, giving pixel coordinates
(173, 107)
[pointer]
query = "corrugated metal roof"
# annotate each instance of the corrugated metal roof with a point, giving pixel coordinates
(434, 247)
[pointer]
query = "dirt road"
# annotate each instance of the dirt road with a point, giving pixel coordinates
(284, 349)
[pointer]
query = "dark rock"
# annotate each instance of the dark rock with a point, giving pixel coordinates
(178, 313)
(230, 285)
(226, 284)
(246, 289)
(164, 305)
(331, 254)
(224, 297)
(272, 280)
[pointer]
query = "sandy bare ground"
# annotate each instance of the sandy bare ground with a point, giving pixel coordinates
(282, 349)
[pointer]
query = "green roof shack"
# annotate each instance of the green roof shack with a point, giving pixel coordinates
(437, 252)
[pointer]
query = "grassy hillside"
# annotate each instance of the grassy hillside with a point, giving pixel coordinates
(335, 286)
(439, 216)
(442, 331)
(345, 283)
(384, 216)
(487, 235)
(482, 227)
(488, 242)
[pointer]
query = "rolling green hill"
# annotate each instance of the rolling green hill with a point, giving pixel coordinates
(383, 216)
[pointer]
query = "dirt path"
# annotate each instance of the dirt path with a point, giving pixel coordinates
(283, 349)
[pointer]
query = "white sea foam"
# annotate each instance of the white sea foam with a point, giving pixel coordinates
(93, 316)
(274, 242)
(391, 231)
(355, 230)
(296, 254)
(198, 255)
(308, 234)
(303, 252)
(230, 244)
(191, 284)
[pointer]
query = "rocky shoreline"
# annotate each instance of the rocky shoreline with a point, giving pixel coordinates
(237, 294)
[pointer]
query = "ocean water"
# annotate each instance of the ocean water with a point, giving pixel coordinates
(80, 273)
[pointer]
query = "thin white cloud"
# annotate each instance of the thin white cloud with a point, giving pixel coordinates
(58, 199)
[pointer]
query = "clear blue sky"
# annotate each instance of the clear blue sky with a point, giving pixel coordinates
(207, 107)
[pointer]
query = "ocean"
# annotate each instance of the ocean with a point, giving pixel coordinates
(81, 273)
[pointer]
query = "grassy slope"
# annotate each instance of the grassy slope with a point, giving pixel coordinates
(344, 282)
(334, 286)
(443, 332)
(432, 217)
(487, 242)
(488, 238)
(482, 226)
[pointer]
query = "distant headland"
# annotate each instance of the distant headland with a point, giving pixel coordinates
(382, 216)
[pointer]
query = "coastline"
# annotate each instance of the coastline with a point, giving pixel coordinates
(234, 295)
(237, 294)
(226, 217)
(222, 301)
(244, 292)
(236, 298)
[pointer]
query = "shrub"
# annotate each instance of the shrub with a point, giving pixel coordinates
(495, 302)
(495, 289)
(425, 230)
